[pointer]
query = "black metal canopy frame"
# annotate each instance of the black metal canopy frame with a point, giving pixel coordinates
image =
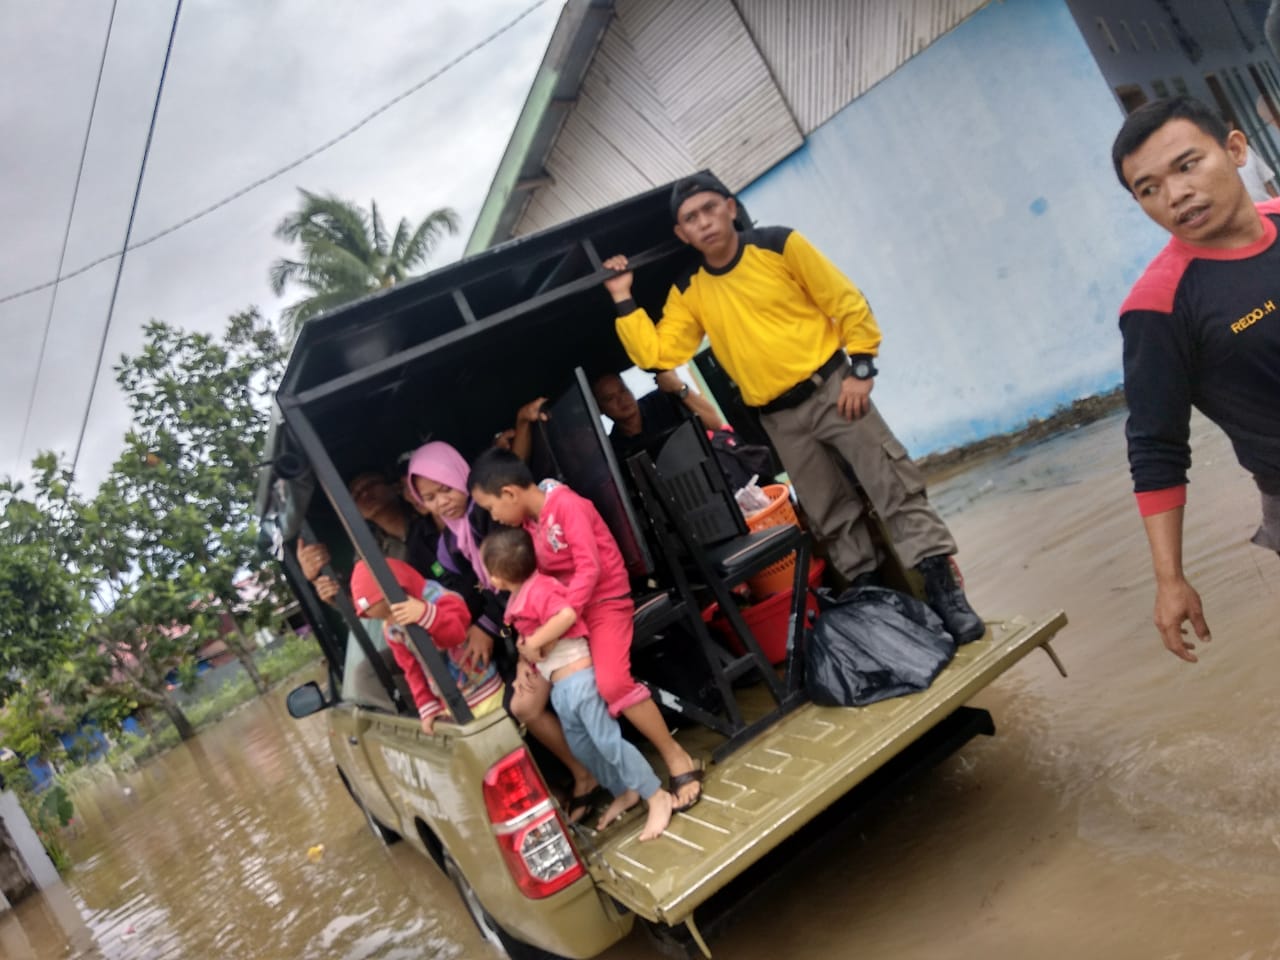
(451, 356)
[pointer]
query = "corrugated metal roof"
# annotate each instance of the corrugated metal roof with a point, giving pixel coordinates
(825, 53)
(649, 111)
(635, 93)
(714, 84)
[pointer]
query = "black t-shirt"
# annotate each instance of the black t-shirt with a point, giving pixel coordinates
(659, 412)
(1201, 329)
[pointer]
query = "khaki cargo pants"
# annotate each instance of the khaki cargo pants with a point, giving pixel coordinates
(812, 439)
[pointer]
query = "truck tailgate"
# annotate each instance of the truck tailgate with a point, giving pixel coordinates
(773, 786)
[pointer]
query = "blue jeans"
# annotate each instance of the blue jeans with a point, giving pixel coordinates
(596, 739)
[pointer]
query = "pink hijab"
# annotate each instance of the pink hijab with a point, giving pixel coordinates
(440, 462)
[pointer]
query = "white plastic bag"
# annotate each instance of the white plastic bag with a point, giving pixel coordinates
(751, 499)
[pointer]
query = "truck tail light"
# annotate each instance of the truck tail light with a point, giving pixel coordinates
(533, 838)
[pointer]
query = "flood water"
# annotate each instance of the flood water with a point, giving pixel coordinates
(1132, 810)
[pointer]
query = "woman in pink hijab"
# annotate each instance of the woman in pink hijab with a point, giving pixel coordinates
(437, 484)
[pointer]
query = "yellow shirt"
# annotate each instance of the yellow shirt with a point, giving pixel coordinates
(773, 316)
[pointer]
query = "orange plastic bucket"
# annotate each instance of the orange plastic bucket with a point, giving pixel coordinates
(767, 620)
(777, 576)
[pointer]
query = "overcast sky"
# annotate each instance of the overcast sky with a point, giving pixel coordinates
(251, 86)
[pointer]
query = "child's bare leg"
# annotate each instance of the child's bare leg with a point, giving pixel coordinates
(529, 706)
(621, 804)
(646, 718)
(661, 806)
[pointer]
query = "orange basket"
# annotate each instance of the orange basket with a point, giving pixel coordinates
(777, 576)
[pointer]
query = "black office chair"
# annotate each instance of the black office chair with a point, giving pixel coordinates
(699, 528)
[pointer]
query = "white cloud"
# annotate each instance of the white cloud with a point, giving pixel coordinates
(250, 87)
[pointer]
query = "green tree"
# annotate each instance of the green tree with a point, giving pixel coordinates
(43, 586)
(48, 592)
(181, 495)
(347, 253)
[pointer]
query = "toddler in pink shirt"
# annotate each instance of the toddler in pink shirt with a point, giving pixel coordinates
(553, 638)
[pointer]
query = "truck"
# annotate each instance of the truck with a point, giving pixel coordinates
(449, 356)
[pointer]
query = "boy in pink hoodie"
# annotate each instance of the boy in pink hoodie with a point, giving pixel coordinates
(575, 546)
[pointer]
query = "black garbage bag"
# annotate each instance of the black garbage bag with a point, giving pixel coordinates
(873, 643)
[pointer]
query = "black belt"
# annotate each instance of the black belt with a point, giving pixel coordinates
(807, 387)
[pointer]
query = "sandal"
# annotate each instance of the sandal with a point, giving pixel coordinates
(696, 775)
(581, 806)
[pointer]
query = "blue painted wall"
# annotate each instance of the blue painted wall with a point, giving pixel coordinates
(971, 196)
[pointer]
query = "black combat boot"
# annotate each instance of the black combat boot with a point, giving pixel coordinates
(947, 599)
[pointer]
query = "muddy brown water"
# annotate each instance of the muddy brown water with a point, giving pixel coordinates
(1132, 810)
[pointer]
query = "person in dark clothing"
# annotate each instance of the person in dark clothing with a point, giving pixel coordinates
(402, 533)
(635, 422)
(1200, 329)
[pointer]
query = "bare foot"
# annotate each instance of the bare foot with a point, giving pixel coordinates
(660, 805)
(621, 804)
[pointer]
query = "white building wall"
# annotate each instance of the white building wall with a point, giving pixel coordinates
(26, 844)
(987, 230)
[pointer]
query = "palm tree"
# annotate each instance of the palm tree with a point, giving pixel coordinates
(346, 253)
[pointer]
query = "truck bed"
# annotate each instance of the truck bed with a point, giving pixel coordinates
(766, 791)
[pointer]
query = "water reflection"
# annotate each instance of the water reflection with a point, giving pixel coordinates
(203, 852)
(1129, 811)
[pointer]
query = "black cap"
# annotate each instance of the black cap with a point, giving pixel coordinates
(699, 183)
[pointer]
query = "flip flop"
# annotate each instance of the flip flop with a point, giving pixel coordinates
(696, 775)
(586, 802)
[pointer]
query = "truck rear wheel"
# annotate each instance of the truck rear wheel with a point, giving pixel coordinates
(489, 928)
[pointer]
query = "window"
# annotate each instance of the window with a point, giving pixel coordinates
(1107, 35)
(1151, 35)
(1128, 32)
(1267, 104)
(1131, 97)
(1220, 98)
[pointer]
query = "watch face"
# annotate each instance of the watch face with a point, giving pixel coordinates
(862, 370)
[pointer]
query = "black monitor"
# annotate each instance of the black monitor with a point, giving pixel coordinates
(572, 446)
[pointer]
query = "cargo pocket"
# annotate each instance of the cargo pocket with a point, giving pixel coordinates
(909, 475)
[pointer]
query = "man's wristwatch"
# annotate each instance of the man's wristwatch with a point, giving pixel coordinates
(862, 368)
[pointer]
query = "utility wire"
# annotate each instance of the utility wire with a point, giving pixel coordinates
(66, 235)
(128, 231)
(281, 171)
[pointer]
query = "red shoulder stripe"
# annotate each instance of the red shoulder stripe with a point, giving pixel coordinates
(1158, 284)
(1270, 206)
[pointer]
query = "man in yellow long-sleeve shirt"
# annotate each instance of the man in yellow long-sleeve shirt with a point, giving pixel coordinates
(799, 340)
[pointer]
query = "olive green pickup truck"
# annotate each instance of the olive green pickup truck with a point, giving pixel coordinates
(450, 356)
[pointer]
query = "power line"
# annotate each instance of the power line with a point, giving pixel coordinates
(281, 171)
(66, 236)
(128, 231)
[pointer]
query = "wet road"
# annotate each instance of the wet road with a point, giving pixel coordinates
(1132, 810)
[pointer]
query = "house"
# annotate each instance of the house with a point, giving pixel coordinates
(951, 156)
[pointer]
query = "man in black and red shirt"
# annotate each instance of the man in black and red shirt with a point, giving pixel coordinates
(1201, 328)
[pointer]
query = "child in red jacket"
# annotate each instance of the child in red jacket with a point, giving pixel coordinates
(444, 615)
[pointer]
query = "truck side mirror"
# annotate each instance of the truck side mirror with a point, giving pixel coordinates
(305, 700)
